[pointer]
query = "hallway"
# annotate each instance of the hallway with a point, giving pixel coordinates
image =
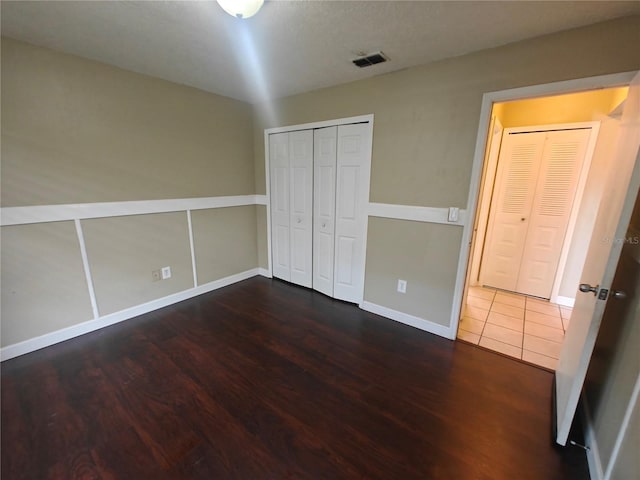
(523, 327)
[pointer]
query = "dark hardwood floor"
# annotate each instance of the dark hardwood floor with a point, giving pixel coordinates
(264, 380)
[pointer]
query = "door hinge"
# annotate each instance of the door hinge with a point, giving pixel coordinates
(603, 294)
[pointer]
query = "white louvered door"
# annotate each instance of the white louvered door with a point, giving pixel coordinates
(562, 160)
(534, 192)
(513, 197)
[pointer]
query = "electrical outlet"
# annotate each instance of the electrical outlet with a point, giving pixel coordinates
(156, 275)
(402, 286)
(166, 273)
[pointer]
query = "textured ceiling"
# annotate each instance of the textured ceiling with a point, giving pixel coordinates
(288, 47)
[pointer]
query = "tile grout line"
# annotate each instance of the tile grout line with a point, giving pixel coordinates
(487, 317)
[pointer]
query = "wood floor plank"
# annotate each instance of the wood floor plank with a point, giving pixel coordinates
(265, 380)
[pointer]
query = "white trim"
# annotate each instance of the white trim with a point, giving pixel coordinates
(323, 124)
(551, 126)
(593, 454)
(623, 429)
(365, 220)
(58, 213)
(415, 213)
(621, 79)
(264, 272)
(411, 320)
(563, 301)
(267, 177)
(488, 99)
(87, 269)
(48, 339)
(193, 250)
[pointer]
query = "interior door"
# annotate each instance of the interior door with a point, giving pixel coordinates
(301, 206)
(280, 212)
(484, 201)
(560, 166)
(352, 197)
(612, 221)
(324, 207)
(514, 194)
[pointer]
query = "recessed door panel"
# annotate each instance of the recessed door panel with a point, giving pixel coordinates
(324, 204)
(352, 196)
(324, 251)
(345, 252)
(301, 198)
(280, 211)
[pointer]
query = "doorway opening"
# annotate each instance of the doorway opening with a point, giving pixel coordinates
(540, 187)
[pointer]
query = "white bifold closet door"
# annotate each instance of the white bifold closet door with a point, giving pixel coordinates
(291, 158)
(319, 197)
(352, 198)
(324, 207)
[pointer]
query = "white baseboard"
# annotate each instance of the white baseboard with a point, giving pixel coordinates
(61, 335)
(593, 454)
(407, 319)
(564, 301)
(264, 272)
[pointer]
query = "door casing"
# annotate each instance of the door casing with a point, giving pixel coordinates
(488, 99)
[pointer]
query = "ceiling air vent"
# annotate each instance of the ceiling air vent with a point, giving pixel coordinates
(369, 60)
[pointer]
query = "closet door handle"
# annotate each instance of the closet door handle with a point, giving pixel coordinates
(324, 224)
(298, 220)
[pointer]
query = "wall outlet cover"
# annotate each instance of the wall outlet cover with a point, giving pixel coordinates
(166, 273)
(402, 286)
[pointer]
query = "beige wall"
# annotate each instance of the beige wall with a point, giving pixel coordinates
(224, 241)
(436, 247)
(124, 251)
(261, 214)
(43, 282)
(425, 127)
(76, 131)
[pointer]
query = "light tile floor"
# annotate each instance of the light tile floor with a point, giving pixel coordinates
(524, 327)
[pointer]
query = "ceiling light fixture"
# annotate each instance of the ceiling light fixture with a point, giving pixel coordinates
(241, 8)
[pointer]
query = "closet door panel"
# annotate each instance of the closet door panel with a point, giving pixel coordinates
(280, 211)
(324, 191)
(513, 197)
(560, 168)
(301, 206)
(352, 196)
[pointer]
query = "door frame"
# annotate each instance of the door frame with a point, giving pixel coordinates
(313, 126)
(488, 99)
